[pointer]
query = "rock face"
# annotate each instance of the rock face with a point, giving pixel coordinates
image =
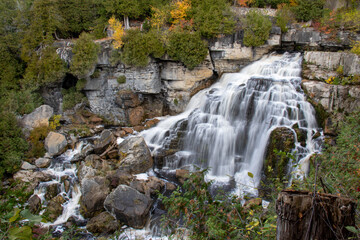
(39, 117)
(134, 155)
(322, 65)
(55, 143)
(332, 102)
(129, 206)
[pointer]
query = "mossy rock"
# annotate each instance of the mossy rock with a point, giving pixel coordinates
(281, 139)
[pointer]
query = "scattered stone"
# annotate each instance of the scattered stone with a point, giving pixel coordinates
(129, 206)
(112, 154)
(106, 138)
(170, 186)
(42, 162)
(32, 178)
(103, 223)
(27, 166)
(151, 123)
(119, 177)
(39, 117)
(139, 128)
(128, 130)
(182, 175)
(34, 204)
(135, 155)
(96, 120)
(55, 143)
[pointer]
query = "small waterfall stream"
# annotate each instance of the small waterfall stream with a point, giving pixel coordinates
(226, 128)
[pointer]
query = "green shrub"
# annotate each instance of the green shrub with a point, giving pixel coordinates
(307, 10)
(12, 144)
(212, 17)
(216, 217)
(187, 47)
(85, 56)
(121, 79)
(45, 68)
(71, 97)
(267, 3)
(21, 102)
(138, 46)
(284, 16)
(80, 84)
(257, 29)
(355, 48)
(36, 140)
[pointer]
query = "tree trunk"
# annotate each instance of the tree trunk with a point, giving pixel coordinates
(303, 215)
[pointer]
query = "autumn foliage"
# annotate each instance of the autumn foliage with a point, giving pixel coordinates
(116, 26)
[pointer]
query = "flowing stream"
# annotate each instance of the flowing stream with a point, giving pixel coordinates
(226, 128)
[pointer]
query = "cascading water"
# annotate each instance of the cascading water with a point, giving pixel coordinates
(64, 174)
(227, 126)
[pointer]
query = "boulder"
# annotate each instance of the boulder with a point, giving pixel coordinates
(136, 115)
(135, 155)
(54, 208)
(182, 175)
(119, 177)
(55, 143)
(39, 117)
(94, 192)
(52, 190)
(106, 138)
(32, 178)
(34, 204)
(42, 162)
(27, 166)
(103, 223)
(281, 139)
(129, 206)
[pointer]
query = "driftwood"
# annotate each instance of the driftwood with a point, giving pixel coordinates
(308, 216)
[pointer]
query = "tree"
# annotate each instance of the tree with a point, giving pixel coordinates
(212, 17)
(257, 29)
(187, 47)
(85, 53)
(116, 26)
(179, 11)
(125, 9)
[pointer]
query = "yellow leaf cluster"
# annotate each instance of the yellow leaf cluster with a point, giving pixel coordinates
(158, 17)
(293, 3)
(180, 10)
(116, 26)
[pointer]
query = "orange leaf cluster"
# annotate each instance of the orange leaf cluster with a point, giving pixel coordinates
(180, 10)
(116, 26)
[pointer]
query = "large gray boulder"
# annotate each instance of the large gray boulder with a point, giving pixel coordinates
(106, 138)
(39, 117)
(129, 206)
(135, 155)
(55, 143)
(94, 191)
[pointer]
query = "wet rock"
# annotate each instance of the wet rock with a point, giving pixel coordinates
(170, 186)
(139, 128)
(54, 208)
(34, 204)
(55, 143)
(32, 178)
(52, 190)
(106, 138)
(136, 115)
(129, 206)
(151, 123)
(281, 139)
(103, 223)
(128, 130)
(27, 166)
(119, 177)
(39, 117)
(182, 175)
(94, 192)
(135, 155)
(42, 162)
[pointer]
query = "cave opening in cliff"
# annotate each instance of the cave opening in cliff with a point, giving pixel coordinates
(69, 81)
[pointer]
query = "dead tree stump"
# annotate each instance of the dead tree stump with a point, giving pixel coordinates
(303, 215)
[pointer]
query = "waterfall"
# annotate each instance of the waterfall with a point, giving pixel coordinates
(226, 128)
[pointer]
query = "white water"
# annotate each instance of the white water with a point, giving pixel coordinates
(229, 124)
(61, 168)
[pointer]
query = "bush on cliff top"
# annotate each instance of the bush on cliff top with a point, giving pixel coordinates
(187, 47)
(257, 29)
